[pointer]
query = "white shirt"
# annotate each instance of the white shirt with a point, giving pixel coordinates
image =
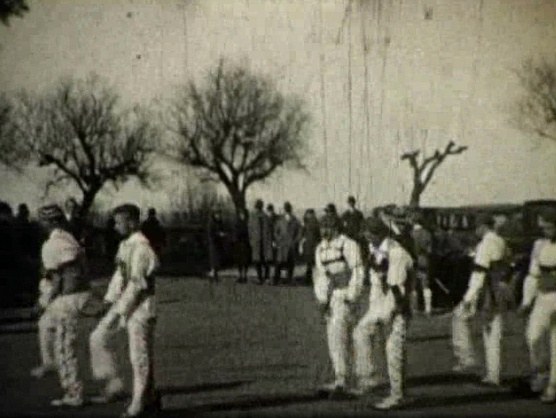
(543, 254)
(333, 250)
(491, 248)
(60, 248)
(136, 262)
(382, 302)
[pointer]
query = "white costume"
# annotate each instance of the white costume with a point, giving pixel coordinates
(389, 267)
(46, 329)
(484, 289)
(338, 283)
(540, 292)
(63, 260)
(131, 293)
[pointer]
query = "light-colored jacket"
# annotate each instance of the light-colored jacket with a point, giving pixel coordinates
(542, 255)
(338, 270)
(132, 285)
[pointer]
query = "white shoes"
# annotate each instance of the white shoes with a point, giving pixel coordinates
(549, 395)
(490, 381)
(364, 389)
(67, 401)
(391, 402)
(113, 391)
(40, 371)
(463, 368)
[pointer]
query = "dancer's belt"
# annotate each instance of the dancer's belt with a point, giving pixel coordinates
(547, 279)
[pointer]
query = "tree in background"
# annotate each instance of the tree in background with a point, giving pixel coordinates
(237, 129)
(80, 130)
(10, 8)
(424, 170)
(536, 108)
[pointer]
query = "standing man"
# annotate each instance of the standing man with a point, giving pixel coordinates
(287, 233)
(46, 330)
(390, 266)
(260, 238)
(422, 240)
(352, 220)
(309, 241)
(154, 231)
(338, 285)
(539, 294)
(487, 292)
(273, 219)
(63, 261)
(131, 295)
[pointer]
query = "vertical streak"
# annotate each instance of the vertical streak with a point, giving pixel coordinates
(350, 99)
(323, 100)
(365, 161)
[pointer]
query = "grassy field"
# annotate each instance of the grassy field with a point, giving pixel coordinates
(250, 350)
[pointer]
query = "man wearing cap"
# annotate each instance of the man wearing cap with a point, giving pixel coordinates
(338, 285)
(539, 298)
(486, 292)
(261, 240)
(63, 261)
(390, 267)
(131, 295)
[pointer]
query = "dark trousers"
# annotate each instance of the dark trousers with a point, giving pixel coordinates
(262, 267)
(287, 265)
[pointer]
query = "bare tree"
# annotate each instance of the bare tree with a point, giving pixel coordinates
(537, 106)
(237, 129)
(10, 8)
(9, 152)
(81, 132)
(424, 170)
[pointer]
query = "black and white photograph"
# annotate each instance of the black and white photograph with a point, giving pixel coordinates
(277, 208)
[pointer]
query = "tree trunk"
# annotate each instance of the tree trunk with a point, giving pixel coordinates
(415, 199)
(86, 204)
(238, 197)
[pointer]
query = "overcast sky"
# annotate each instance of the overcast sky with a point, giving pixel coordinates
(421, 72)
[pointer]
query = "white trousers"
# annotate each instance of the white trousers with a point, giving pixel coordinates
(463, 345)
(540, 328)
(366, 339)
(47, 334)
(339, 326)
(66, 310)
(140, 332)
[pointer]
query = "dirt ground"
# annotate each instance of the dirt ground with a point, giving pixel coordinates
(251, 350)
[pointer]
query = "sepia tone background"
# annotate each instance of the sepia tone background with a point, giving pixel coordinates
(379, 77)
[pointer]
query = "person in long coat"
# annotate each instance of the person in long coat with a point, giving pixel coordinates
(215, 234)
(310, 239)
(287, 234)
(260, 238)
(242, 249)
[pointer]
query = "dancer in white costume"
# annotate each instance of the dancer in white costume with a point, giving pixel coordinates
(64, 263)
(487, 293)
(539, 298)
(338, 285)
(131, 293)
(390, 270)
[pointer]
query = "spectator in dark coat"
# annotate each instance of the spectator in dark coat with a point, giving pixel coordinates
(8, 278)
(215, 234)
(27, 236)
(352, 221)
(273, 218)
(287, 233)
(242, 250)
(154, 231)
(309, 241)
(260, 238)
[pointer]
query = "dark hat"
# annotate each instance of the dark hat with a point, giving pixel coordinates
(330, 208)
(330, 221)
(375, 226)
(51, 213)
(548, 216)
(351, 199)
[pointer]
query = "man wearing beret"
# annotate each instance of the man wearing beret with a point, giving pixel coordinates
(390, 268)
(64, 263)
(485, 293)
(131, 296)
(338, 285)
(539, 298)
